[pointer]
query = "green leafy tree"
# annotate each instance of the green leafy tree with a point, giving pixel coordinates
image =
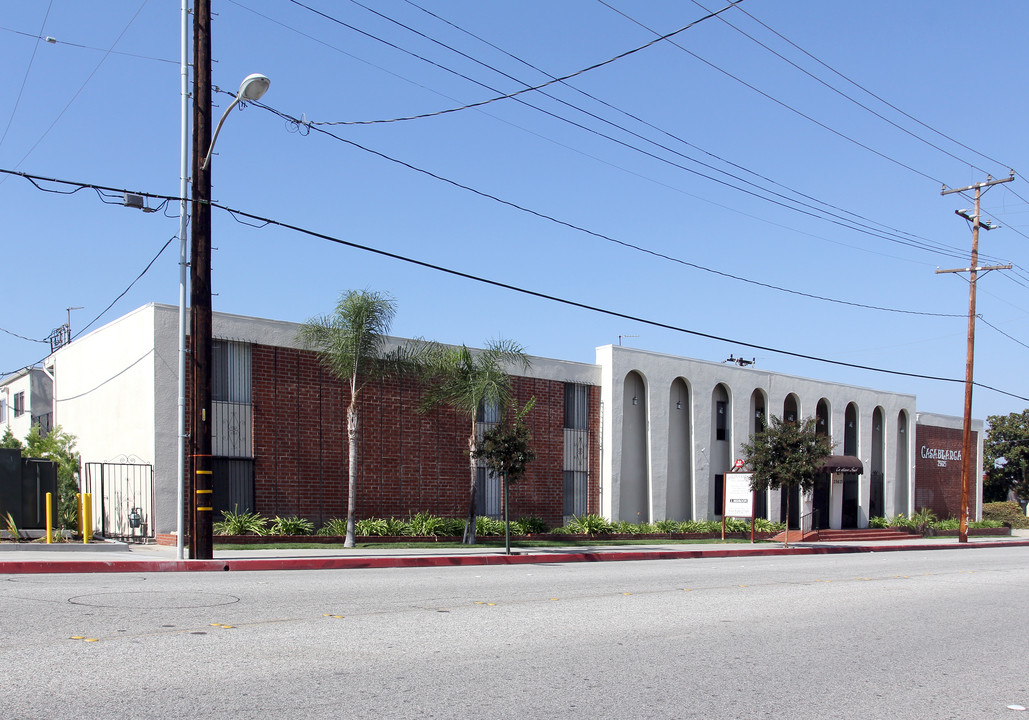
(466, 381)
(351, 345)
(1006, 455)
(506, 448)
(58, 446)
(9, 442)
(786, 455)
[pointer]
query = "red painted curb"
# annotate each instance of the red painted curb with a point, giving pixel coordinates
(259, 564)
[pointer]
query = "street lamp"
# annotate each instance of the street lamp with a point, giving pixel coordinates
(253, 87)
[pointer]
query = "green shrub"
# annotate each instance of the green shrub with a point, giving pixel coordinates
(453, 527)
(923, 519)
(292, 525)
(985, 524)
(667, 526)
(588, 525)
(699, 526)
(946, 524)
(900, 521)
(486, 526)
(624, 527)
(737, 525)
(241, 523)
(1007, 513)
(764, 525)
(381, 527)
(337, 527)
(425, 524)
(529, 525)
(878, 522)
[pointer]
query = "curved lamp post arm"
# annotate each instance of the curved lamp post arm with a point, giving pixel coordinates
(253, 87)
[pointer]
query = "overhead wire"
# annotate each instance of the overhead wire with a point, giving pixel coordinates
(781, 103)
(25, 79)
(869, 92)
(85, 82)
(268, 221)
(899, 237)
(845, 95)
(534, 88)
(663, 131)
(54, 41)
(579, 228)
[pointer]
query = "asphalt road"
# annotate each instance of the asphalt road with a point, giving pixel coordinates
(937, 634)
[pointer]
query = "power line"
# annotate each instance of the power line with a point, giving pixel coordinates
(24, 80)
(592, 233)
(782, 104)
(869, 92)
(595, 66)
(81, 88)
(266, 221)
(54, 41)
(916, 242)
(850, 224)
(22, 337)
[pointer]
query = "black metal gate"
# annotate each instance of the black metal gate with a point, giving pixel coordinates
(123, 500)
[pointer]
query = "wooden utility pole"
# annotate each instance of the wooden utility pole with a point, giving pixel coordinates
(966, 433)
(202, 537)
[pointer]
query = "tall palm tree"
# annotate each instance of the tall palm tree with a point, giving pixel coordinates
(350, 343)
(467, 380)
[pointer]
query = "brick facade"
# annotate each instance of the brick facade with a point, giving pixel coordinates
(408, 462)
(938, 471)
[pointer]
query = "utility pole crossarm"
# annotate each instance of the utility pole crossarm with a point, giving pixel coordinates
(981, 268)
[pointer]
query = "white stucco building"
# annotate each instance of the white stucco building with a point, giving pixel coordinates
(646, 436)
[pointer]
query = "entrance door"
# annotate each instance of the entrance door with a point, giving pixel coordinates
(850, 501)
(820, 502)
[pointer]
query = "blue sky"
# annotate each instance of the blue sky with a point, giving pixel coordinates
(612, 156)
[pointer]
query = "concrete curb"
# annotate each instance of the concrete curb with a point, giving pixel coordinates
(357, 563)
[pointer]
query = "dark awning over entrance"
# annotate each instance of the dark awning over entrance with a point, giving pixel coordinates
(842, 464)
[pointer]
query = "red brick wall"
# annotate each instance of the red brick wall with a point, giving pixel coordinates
(408, 462)
(938, 479)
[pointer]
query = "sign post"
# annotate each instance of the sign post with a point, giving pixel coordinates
(738, 497)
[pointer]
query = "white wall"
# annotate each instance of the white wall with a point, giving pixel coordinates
(661, 371)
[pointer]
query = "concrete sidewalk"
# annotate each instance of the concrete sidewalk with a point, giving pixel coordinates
(119, 557)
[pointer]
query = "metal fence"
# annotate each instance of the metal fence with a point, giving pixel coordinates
(123, 500)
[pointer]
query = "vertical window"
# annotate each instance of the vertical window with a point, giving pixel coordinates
(489, 490)
(3, 411)
(19, 404)
(230, 371)
(576, 406)
(721, 422)
(576, 449)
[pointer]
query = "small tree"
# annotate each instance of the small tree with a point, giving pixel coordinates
(786, 455)
(1006, 451)
(9, 442)
(350, 345)
(466, 381)
(506, 450)
(58, 446)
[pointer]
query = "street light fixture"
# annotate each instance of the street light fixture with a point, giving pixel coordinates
(253, 87)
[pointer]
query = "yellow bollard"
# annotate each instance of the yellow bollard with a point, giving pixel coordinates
(78, 503)
(49, 519)
(87, 519)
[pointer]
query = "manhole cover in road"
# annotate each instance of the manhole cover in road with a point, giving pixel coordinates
(154, 599)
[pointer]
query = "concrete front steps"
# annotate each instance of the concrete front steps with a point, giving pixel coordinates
(852, 535)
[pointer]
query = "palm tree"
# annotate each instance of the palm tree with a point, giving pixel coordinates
(467, 380)
(350, 344)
